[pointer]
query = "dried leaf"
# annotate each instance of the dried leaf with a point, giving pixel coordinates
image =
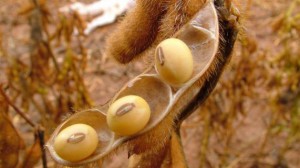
(3, 104)
(10, 142)
(278, 22)
(29, 6)
(33, 155)
(26, 9)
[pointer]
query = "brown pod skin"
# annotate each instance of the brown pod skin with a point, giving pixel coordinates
(147, 24)
(137, 31)
(228, 31)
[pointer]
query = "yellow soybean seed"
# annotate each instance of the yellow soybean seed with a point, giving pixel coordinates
(128, 115)
(76, 142)
(174, 61)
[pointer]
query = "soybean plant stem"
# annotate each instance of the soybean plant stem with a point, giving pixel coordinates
(40, 133)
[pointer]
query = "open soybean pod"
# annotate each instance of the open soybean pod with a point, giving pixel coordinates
(166, 103)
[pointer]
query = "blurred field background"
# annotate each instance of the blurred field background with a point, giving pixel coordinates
(252, 119)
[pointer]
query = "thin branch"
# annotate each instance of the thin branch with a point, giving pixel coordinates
(21, 113)
(40, 133)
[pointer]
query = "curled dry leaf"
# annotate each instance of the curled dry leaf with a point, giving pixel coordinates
(201, 35)
(10, 142)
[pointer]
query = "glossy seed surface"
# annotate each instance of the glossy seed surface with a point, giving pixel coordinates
(128, 115)
(76, 142)
(174, 61)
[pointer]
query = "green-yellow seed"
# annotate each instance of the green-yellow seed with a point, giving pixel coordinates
(128, 115)
(174, 61)
(76, 142)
